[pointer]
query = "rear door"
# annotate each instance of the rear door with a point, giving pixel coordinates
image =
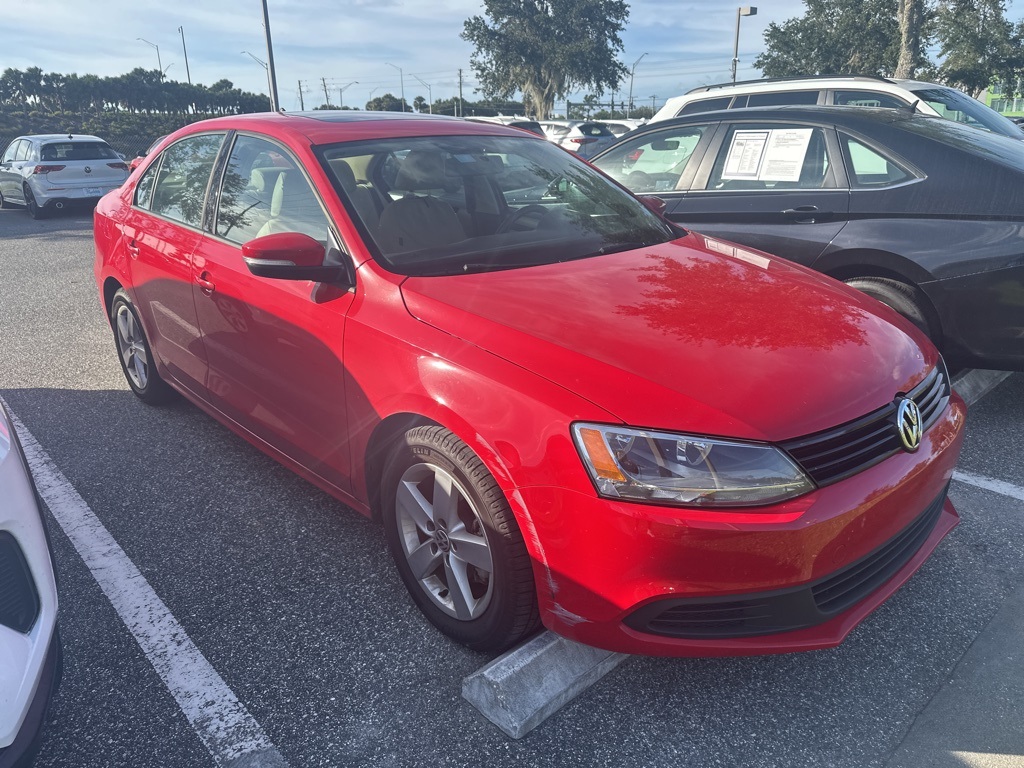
(161, 233)
(779, 187)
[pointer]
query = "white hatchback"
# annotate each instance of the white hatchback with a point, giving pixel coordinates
(48, 172)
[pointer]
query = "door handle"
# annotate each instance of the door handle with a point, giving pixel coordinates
(133, 248)
(208, 286)
(806, 214)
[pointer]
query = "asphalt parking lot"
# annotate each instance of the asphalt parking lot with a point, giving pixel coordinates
(293, 601)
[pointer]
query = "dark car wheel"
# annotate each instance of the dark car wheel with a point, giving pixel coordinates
(456, 542)
(904, 298)
(134, 353)
(34, 209)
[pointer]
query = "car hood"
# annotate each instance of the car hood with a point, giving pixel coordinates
(693, 335)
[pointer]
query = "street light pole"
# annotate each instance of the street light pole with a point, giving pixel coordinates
(341, 93)
(271, 72)
(745, 10)
(632, 72)
(430, 95)
(159, 63)
(263, 64)
(184, 50)
(401, 77)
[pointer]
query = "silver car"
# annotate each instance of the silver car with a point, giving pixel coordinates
(584, 137)
(47, 172)
(30, 649)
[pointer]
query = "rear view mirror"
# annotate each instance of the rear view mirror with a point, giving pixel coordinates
(665, 145)
(290, 256)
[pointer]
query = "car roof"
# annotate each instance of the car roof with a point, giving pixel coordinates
(330, 126)
(62, 137)
(773, 83)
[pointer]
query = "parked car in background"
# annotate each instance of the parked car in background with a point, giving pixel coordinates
(45, 173)
(523, 123)
(924, 214)
(30, 649)
(137, 160)
(584, 137)
(563, 408)
(850, 90)
(622, 126)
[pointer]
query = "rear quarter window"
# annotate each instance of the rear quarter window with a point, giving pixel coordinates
(704, 105)
(782, 98)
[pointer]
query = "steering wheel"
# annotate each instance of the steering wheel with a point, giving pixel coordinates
(538, 212)
(638, 181)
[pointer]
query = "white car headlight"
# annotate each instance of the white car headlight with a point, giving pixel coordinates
(690, 470)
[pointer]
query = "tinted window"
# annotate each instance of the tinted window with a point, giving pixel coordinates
(78, 150)
(782, 99)
(144, 189)
(961, 108)
(707, 105)
(866, 99)
(264, 192)
(655, 161)
(180, 191)
(772, 157)
(595, 129)
(868, 167)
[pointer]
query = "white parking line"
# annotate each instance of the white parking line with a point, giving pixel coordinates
(989, 484)
(221, 721)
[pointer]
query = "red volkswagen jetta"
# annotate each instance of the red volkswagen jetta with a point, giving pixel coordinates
(562, 408)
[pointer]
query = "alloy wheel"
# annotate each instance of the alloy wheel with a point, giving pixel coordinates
(444, 542)
(132, 347)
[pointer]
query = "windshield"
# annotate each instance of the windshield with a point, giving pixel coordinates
(444, 205)
(961, 108)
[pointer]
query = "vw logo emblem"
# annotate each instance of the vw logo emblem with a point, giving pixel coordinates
(88, 169)
(908, 424)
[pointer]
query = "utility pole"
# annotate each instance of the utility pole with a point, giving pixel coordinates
(430, 94)
(461, 111)
(746, 10)
(326, 94)
(302, 103)
(632, 73)
(401, 77)
(275, 103)
(184, 50)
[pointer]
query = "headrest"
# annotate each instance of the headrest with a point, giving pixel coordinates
(263, 179)
(343, 171)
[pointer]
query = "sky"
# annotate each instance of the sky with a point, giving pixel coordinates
(360, 48)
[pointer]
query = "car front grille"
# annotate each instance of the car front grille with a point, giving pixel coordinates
(837, 453)
(19, 601)
(786, 610)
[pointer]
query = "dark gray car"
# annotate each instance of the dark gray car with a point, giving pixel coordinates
(922, 213)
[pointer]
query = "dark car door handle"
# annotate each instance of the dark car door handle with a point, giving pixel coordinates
(806, 214)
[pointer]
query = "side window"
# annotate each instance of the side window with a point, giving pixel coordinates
(265, 192)
(11, 152)
(706, 105)
(180, 190)
(782, 98)
(23, 150)
(773, 157)
(144, 189)
(868, 168)
(654, 162)
(866, 99)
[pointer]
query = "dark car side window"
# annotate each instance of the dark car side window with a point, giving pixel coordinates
(144, 189)
(773, 157)
(655, 161)
(782, 98)
(869, 168)
(265, 192)
(184, 175)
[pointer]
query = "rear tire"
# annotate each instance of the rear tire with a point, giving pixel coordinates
(134, 353)
(902, 297)
(456, 543)
(33, 208)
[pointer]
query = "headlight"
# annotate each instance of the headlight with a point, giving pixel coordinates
(668, 468)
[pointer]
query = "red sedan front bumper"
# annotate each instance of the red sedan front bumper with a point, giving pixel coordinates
(604, 564)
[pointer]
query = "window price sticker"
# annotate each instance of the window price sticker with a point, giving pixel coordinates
(769, 155)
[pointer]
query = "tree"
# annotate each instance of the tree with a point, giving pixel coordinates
(387, 103)
(834, 37)
(546, 49)
(419, 104)
(911, 18)
(978, 45)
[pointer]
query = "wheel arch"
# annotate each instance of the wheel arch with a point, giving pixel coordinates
(867, 262)
(111, 286)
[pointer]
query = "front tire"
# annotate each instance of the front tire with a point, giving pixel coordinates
(134, 353)
(905, 299)
(456, 543)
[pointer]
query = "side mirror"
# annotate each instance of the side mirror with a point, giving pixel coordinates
(290, 256)
(654, 204)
